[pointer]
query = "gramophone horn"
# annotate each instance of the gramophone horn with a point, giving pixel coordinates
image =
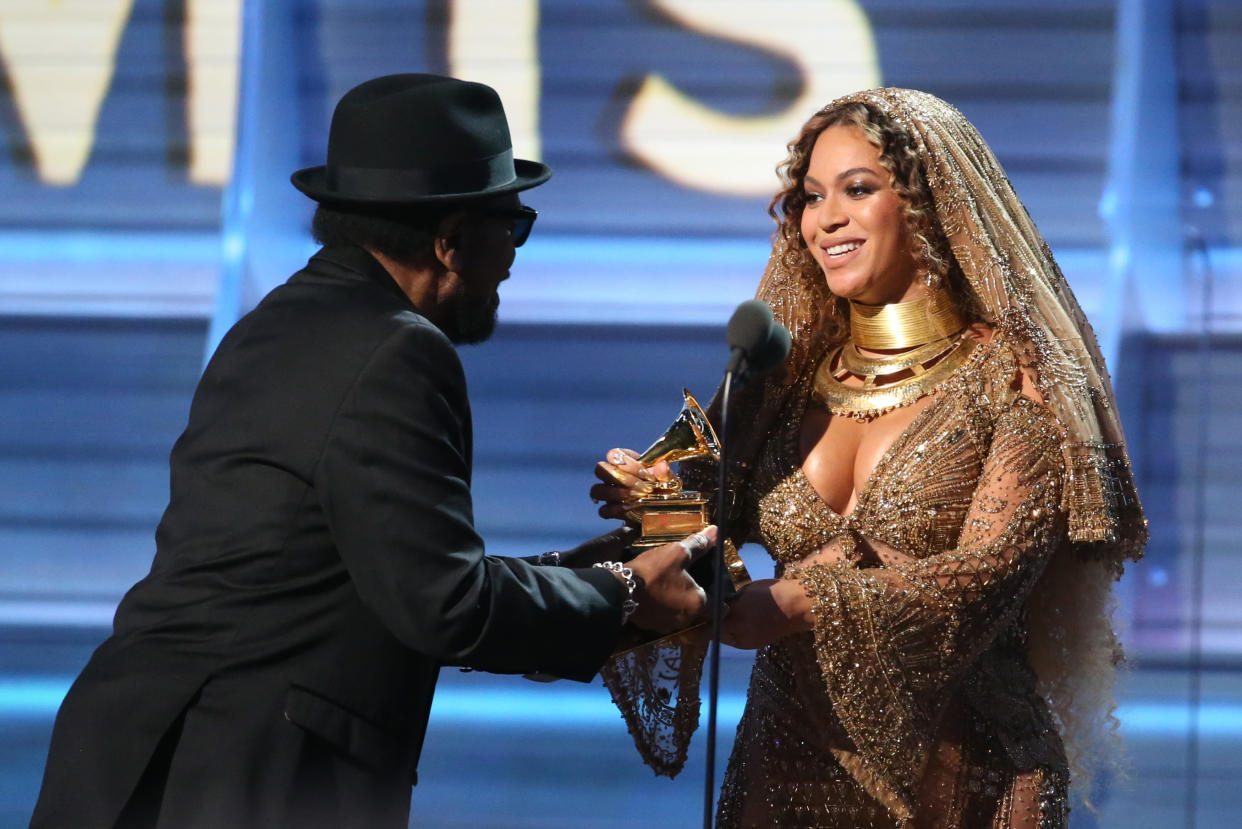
(690, 436)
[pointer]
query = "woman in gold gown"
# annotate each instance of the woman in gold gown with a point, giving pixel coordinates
(941, 478)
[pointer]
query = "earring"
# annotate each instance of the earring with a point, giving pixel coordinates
(932, 279)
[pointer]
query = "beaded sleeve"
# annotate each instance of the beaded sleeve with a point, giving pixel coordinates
(892, 642)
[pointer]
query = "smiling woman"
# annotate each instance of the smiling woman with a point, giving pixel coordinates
(853, 221)
(851, 175)
(936, 475)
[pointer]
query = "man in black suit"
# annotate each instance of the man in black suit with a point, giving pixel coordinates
(318, 561)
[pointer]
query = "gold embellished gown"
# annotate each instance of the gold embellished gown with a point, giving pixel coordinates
(912, 703)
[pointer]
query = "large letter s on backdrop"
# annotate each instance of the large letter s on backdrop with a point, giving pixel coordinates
(696, 146)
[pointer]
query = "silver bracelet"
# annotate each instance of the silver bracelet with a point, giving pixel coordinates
(552, 559)
(627, 575)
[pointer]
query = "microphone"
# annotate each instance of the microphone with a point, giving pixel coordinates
(757, 342)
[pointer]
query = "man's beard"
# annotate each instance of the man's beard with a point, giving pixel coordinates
(471, 319)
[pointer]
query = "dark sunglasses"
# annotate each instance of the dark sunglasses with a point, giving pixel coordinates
(523, 219)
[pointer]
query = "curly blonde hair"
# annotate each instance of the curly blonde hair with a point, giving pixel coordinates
(930, 247)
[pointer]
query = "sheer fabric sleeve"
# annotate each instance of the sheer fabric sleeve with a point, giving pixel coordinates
(656, 686)
(892, 642)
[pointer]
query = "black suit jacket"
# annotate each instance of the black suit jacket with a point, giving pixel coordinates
(316, 563)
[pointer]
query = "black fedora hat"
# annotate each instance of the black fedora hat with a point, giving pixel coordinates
(418, 139)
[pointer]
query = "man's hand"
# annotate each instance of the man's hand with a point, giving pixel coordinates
(668, 598)
(610, 546)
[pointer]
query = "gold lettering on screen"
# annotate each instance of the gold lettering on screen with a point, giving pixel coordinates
(60, 57)
(213, 58)
(498, 44)
(703, 148)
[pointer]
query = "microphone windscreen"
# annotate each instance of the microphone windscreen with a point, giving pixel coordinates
(772, 352)
(750, 326)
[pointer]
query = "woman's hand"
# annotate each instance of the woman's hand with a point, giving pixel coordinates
(625, 481)
(764, 611)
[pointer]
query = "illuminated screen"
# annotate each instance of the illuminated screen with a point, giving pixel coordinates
(663, 120)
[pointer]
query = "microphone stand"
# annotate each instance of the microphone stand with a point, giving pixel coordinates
(757, 344)
(716, 597)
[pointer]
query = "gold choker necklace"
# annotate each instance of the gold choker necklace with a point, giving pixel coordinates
(904, 324)
(931, 331)
(869, 400)
(871, 368)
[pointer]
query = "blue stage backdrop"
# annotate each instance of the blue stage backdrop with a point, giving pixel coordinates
(147, 147)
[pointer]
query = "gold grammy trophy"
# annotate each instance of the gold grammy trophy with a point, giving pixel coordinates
(669, 513)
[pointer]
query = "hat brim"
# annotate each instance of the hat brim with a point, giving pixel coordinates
(313, 182)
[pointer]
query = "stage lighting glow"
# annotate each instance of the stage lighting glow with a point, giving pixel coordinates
(489, 706)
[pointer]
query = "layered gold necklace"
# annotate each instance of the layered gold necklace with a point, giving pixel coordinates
(929, 334)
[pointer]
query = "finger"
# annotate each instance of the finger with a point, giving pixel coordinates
(618, 476)
(659, 472)
(608, 473)
(626, 459)
(699, 614)
(619, 537)
(610, 494)
(618, 508)
(697, 545)
(621, 455)
(614, 510)
(609, 546)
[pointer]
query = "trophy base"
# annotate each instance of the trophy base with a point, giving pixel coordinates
(662, 519)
